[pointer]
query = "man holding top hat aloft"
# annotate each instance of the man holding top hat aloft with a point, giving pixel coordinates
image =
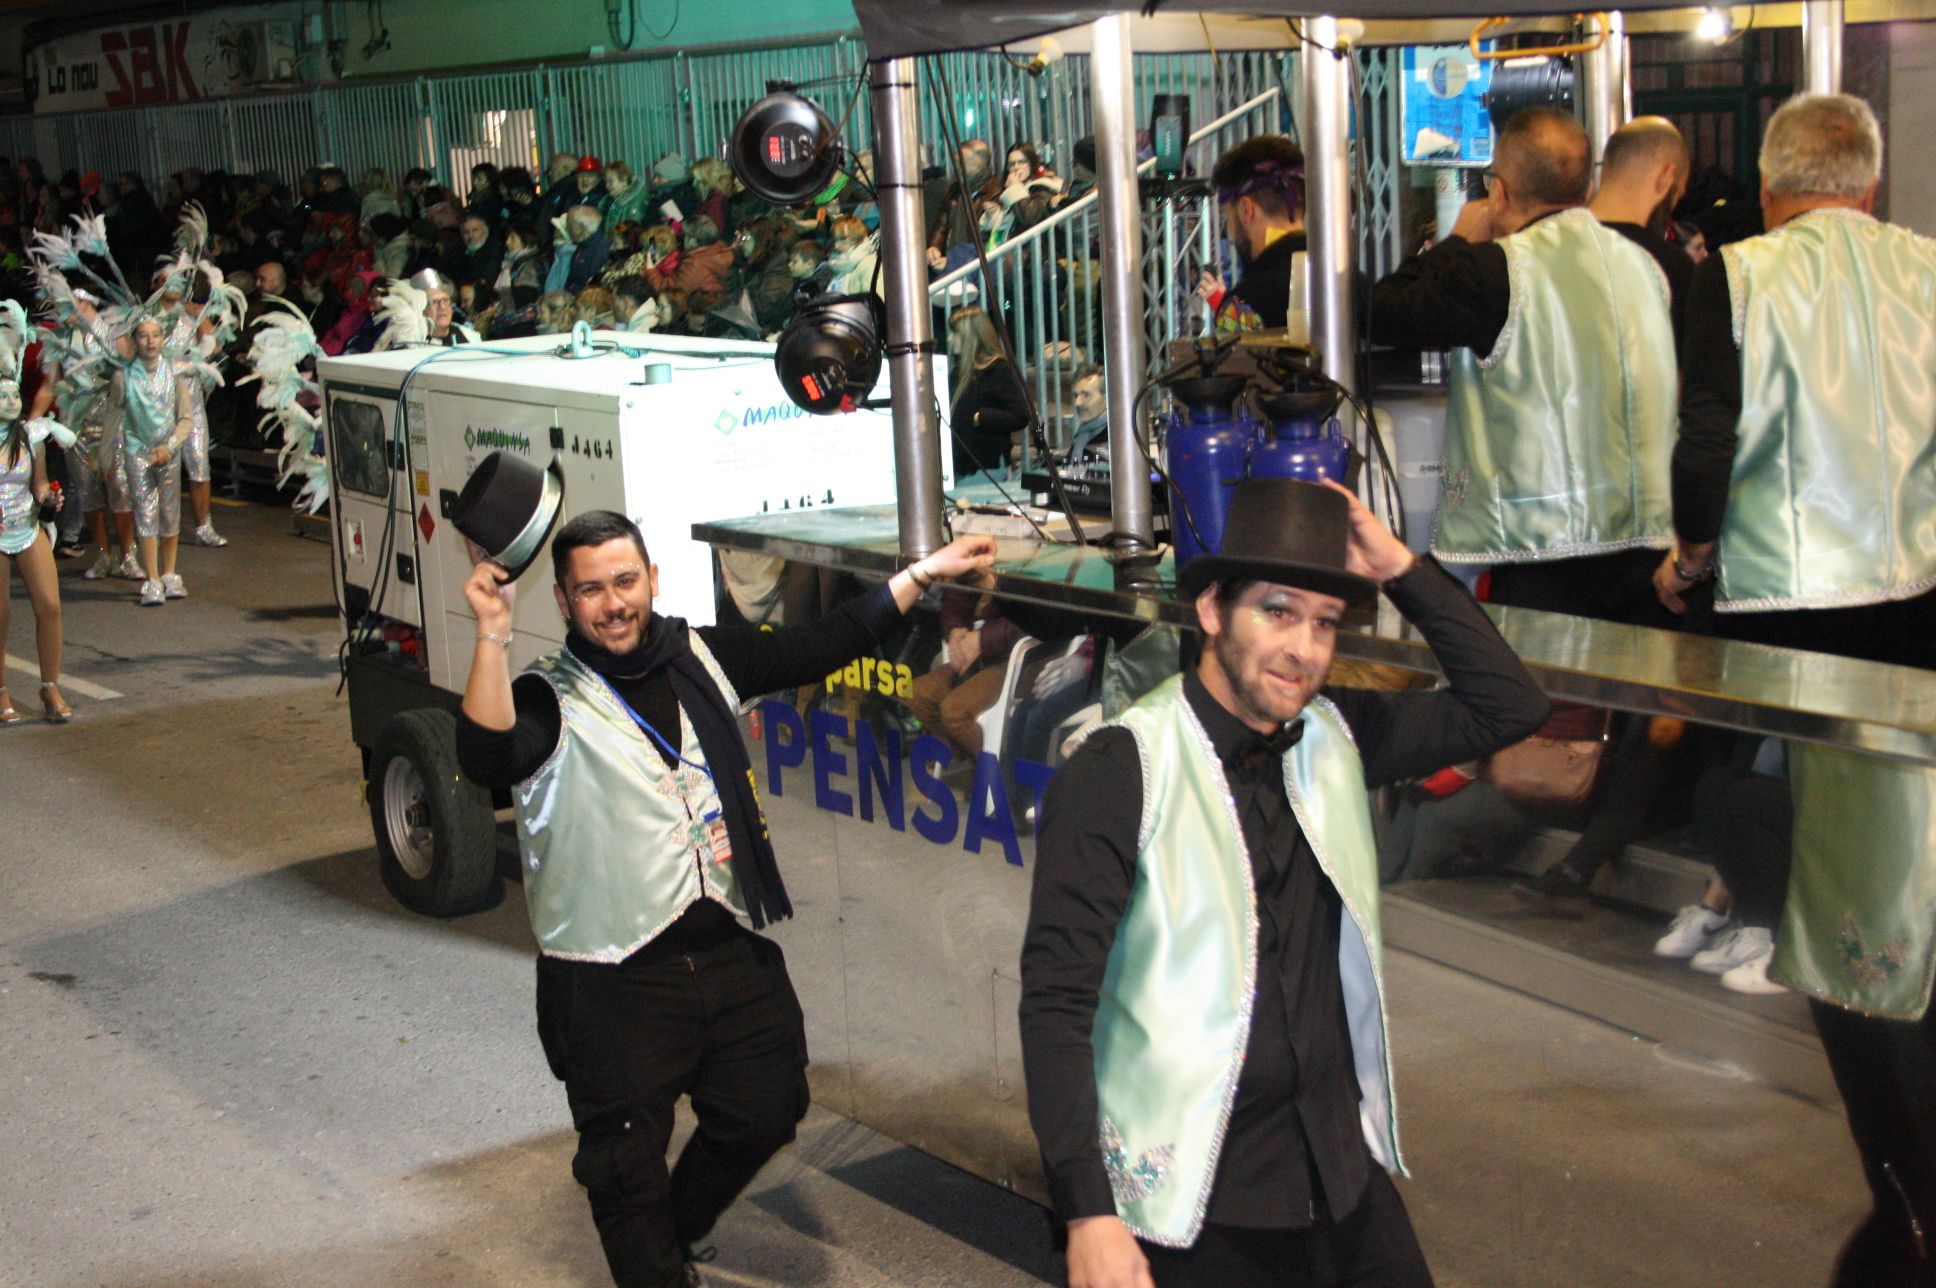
(642, 842)
(1203, 1011)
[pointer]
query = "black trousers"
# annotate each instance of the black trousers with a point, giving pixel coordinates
(1374, 1247)
(716, 1020)
(1886, 1072)
(1617, 587)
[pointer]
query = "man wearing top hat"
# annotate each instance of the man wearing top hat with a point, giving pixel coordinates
(642, 842)
(1203, 1011)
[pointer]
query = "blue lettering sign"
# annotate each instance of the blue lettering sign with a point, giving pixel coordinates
(829, 764)
(879, 767)
(940, 826)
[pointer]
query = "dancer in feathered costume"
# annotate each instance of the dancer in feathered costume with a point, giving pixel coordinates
(25, 495)
(75, 381)
(197, 333)
(283, 342)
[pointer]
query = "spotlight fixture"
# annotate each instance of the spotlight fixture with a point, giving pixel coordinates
(1047, 54)
(829, 356)
(783, 147)
(1714, 26)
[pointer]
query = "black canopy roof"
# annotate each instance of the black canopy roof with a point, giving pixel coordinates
(903, 28)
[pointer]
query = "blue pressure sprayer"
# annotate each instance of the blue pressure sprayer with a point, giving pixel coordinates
(1210, 438)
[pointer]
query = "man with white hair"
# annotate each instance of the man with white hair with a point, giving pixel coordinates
(581, 250)
(1804, 482)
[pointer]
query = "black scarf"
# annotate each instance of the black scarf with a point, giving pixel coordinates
(668, 646)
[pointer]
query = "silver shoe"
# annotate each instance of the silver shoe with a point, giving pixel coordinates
(152, 594)
(206, 535)
(130, 569)
(172, 586)
(102, 567)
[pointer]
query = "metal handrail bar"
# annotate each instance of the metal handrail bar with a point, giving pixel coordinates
(1088, 199)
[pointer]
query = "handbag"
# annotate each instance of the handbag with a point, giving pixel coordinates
(1557, 767)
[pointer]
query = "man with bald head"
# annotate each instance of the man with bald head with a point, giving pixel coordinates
(1643, 176)
(1561, 415)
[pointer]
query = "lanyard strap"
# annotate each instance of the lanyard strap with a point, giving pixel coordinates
(654, 734)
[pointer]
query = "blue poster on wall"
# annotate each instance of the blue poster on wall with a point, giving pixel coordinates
(1443, 110)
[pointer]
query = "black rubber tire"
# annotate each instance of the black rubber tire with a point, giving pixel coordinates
(452, 870)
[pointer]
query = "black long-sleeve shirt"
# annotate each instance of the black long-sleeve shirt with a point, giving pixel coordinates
(992, 408)
(1710, 407)
(1294, 1138)
(1457, 294)
(756, 660)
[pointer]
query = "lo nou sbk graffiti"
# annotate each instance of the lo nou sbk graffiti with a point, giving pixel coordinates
(880, 774)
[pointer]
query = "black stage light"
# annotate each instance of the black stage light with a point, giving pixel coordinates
(829, 356)
(783, 147)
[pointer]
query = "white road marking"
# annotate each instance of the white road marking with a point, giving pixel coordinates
(78, 685)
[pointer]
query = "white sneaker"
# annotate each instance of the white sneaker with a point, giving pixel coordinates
(1738, 946)
(102, 567)
(1751, 976)
(172, 586)
(130, 569)
(152, 594)
(206, 535)
(1694, 928)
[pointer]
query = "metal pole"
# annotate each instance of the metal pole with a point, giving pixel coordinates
(1603, 73)
(1124, 357)
(1822, 46)
(1327, 198)
(910, 334)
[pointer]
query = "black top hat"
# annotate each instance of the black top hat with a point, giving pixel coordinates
(1283, 531)
(509, 507)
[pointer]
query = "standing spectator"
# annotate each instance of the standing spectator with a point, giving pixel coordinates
(321, 303)
(410, 194)
(628, 195)
(355, 315)
(395, 246)
(955, 210)
(520, 193)
(580, 253)
(702, 263)
(136, 234)
(761, 251)
(379, 196)
(856, 253)
(479, 256)
(561, 185)
(333, 194)
(672, 181)
(486, 198)
(990, 404)
(521, 272)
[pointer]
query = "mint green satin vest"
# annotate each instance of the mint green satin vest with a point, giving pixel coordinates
(1832, 502)
(613, 842)
(1859, 925)
(1558, 441)
(1174, 1016)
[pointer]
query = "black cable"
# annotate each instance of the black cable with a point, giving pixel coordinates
(611, 22)
(940, 90)
(660, 35)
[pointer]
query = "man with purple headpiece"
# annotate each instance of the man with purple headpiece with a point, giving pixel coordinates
(1260, 188)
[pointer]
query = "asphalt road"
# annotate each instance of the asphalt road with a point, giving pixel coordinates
(228, 1058)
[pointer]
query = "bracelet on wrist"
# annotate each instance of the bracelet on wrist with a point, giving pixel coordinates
(502, 641)
(1693, 575)
(923, 581)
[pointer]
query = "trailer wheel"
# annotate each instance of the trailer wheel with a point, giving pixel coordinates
(436, 838)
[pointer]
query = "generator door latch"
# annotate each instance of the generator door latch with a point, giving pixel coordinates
(557, 438)
(447, 502)
(406, 570)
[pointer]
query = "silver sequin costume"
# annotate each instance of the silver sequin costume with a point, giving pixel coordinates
(181, 344)
(150, 420)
